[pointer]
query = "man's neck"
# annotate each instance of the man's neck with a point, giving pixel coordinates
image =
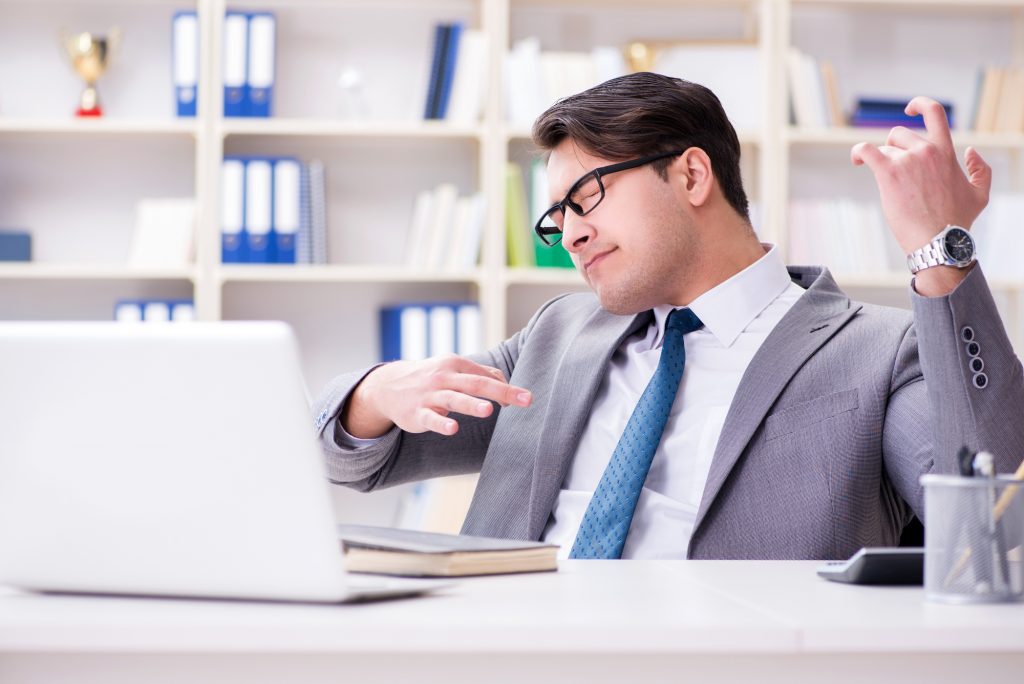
(724, 254)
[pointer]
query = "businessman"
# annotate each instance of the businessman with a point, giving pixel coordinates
(705, 401)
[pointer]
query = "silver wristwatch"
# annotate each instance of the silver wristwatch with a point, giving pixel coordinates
(954, 246)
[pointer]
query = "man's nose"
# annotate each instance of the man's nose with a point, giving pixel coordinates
(576, 232)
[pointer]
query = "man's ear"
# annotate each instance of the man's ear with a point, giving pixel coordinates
(693, 170)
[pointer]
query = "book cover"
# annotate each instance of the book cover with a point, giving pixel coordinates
(394, 551)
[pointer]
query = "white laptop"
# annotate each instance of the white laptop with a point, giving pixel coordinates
(172, 459)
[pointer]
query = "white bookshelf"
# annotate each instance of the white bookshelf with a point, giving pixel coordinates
(74, 183)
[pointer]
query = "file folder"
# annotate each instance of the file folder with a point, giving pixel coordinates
(442, 330)
(260, 80)
(259, 193)
(156, 312)
(185, 57)
(404, 333)
(236, 32)
(468, 329)
(128, 311)
(287, 208)
(232, 212)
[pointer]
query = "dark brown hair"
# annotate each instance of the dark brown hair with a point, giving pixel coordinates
(644, 113)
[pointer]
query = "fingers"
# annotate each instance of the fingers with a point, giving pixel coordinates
(433, 421)
(464, 365)
(935, 122)
(903, 137)
(866, 153)
(979, 173)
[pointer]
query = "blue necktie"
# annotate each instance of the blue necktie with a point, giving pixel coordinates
(602, 533)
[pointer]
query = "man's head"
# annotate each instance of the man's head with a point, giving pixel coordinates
(656, 221)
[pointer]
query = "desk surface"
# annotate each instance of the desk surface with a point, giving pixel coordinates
(598, 607)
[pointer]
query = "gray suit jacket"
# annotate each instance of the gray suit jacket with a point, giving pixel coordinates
(839, 413)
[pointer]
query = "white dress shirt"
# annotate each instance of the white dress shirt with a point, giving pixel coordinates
(737, 314)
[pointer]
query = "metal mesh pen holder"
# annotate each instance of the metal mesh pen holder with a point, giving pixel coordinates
(974, 531)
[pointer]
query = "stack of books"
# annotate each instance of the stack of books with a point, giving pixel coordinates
(522, 209)
(888, 113)
(813, 91)
(458, 74)
(999, 104)
(446, 230)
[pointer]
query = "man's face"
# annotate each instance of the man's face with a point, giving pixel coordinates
(636, 245)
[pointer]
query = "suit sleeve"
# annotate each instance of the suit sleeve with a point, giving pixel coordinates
(399, 456)
(940, 400)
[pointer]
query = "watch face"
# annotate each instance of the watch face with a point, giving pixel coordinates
(959, 244)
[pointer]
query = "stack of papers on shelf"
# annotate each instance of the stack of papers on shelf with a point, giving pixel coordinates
(535, 80)
(164, 233)
(446, 230)
(813, 91)
(843, 235)
(390, 551)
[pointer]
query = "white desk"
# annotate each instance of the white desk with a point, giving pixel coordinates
(592, 621)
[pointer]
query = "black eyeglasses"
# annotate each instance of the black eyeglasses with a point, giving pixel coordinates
(584, 196)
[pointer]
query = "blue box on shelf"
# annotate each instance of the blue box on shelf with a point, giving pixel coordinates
(15, 245)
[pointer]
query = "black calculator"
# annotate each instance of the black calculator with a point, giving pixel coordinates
(878, 566)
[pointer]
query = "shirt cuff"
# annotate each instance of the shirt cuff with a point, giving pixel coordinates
(347, 441)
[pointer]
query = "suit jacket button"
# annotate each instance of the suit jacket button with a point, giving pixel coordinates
(980, 380)
(973, 348)
(967, 333)
(977, 364)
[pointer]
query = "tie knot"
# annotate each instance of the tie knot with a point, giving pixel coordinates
(683, 320)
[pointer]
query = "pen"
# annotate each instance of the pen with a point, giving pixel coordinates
(997, 513)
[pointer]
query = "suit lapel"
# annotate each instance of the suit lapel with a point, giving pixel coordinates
(577, 379)
(810, 323)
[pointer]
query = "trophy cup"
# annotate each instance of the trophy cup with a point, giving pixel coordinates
(89, 56)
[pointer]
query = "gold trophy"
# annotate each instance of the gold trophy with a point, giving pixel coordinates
(90, 55)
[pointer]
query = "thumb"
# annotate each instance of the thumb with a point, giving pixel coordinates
(979, 173)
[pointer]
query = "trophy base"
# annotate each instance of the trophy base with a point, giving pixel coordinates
(89, 113)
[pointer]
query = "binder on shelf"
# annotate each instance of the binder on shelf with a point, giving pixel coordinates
(236, 40)
(183, 311)
(287, 208)
(126, 311)
(467, 95)
(156, 312)
(260, 67)
(15, 245)
(185, 58)
(469, 329)
(545, 256)
(441, 33)
(441, 326)
(259, 195)
(520, 248)
(234, 240)
(318, 210)
(415, 331)
(448, 73)
(304, 238)
(404, 333)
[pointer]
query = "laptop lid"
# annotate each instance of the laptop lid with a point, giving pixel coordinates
(174, 459)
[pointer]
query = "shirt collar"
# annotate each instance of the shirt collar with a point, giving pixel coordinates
(729, 307)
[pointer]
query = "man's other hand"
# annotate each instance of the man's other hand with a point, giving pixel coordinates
(420, 396)
(920, 182)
